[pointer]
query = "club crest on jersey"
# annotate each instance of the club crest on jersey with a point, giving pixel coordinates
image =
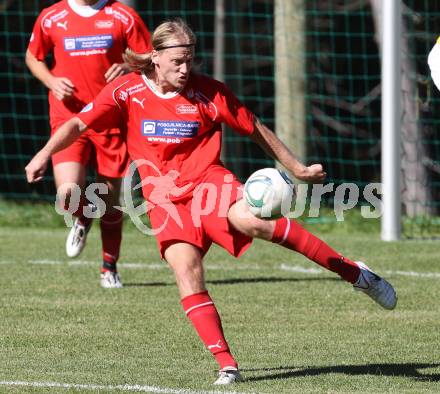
(47, 23)
(186, 109)
(123, 95)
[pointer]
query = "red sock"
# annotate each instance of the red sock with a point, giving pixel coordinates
(203, 314)
(111, 236)
(292, 235)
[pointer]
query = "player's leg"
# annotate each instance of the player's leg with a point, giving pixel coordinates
(111, 158)
(70, 175)
(69, 181)
(111, 232)
(290, 234)
(186, 261)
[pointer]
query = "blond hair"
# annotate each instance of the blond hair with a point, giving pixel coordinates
(163, 34)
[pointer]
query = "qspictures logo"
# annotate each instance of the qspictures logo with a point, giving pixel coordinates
(163, 189)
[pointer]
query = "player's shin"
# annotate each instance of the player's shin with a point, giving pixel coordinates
(111, 236)
(203, 314)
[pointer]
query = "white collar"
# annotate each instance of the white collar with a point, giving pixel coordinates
(167, 95)
(86, 10)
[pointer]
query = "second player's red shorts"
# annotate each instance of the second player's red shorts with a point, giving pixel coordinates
(106, 152)
(202, 219)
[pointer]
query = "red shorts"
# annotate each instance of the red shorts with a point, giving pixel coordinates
(201, 218)
(106, 152)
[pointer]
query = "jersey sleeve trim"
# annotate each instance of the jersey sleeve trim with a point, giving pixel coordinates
(43, 20)
(114, 92)
(130, 18)
(205, 100)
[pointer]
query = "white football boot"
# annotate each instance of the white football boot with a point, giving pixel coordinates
(228, 375)
(110, 280)
(375, 287)
(76, 240)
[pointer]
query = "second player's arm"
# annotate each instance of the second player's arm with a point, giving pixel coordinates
(274, 147)
(61, 87)
(63, 138)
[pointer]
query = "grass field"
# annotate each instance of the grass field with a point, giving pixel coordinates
(293, 327)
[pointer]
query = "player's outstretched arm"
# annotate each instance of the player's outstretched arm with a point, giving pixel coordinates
(274, 147)
(64, 136)
(61, 87)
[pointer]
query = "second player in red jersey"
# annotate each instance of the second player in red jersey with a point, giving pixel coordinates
(87, 39)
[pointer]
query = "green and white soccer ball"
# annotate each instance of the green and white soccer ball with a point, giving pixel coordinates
(269, 193)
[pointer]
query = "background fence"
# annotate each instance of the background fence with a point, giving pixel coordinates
(334, 86)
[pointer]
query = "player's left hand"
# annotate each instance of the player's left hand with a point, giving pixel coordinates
(313, 174)
(115, 71)
(36, 167)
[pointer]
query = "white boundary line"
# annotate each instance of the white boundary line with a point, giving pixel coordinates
(125, 387)
(238, 267)
(134, 265)
(315, 271)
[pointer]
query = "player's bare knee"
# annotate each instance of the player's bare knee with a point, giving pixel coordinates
(187, 267)
(189, 276)
(251, 226)
(67, 193)
(259, 228)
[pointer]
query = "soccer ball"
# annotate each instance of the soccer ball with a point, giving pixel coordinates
(269, 193)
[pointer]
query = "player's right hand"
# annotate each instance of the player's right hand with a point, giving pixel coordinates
(36, 167)
(312, 174)
(62, 88)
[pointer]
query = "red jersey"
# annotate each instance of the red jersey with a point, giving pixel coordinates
(86, 41)
(181, 132)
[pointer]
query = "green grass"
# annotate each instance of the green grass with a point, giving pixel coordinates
(291, 332)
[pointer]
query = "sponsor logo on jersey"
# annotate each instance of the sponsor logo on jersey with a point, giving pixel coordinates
(102, 41)
(103, 24)
(137, 101)
(120, 16)
(136, 88)
(186, 109)
(170, 129)
(60, 15)
(148, 128)
(217, 345)
(62, 25)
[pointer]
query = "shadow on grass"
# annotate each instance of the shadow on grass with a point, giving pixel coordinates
(235, 281)
(409, 370)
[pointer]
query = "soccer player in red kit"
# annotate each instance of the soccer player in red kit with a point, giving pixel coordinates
(174, 118)
(87, 39)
